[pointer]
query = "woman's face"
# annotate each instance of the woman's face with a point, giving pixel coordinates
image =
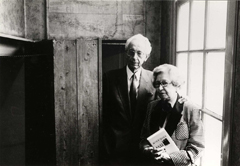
(165, 89)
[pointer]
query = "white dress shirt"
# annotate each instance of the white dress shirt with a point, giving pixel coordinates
(129, 76)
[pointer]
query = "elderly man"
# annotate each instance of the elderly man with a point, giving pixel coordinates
(126, 93)
(180, 118)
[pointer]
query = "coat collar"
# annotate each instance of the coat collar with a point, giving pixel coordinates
(130, 73)
(161, 111)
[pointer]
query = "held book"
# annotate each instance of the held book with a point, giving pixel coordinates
(161, 138)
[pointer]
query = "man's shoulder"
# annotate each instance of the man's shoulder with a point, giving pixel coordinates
(147, 75)
(147, 71)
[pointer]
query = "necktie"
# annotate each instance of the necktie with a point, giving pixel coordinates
(133, 94)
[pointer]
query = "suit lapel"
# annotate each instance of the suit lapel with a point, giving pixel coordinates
(142, 85)
(122, 86)
(145, 87)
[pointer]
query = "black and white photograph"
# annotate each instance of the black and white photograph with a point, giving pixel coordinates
(119, 82)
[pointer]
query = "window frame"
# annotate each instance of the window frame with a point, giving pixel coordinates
(231, 40)
(230, 52)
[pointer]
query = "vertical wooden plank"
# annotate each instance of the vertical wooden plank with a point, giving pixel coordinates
(88, 116)
(66, 102)
(59, 97)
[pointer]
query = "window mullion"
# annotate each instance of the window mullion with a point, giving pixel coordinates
(189, 58)
(204, 67)
(204, 58)
(201, 50)
(204, 81)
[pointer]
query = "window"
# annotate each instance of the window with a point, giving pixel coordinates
(201, 53)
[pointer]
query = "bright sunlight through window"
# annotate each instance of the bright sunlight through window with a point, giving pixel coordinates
(200, 54)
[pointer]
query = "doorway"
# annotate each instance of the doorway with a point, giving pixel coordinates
(113, 55)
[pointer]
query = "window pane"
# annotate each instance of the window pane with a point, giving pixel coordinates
(213, 137)
(182, 27)
(197, 24)
(216, 24)
(215, 82)
(196, 77)
(182, 61)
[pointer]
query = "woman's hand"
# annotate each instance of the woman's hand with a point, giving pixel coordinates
(148, 150)
(160, 154)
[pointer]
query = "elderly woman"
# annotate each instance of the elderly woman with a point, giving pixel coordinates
(180, 118)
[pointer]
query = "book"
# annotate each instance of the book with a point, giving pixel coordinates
(161, 138)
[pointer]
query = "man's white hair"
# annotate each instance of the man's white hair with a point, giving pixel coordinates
(176, 77)
(140, 37)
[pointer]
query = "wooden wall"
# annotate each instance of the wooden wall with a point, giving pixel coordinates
(105, 19)
(76, 75)
(70, 20)
(109, 20)
(23, 18)
(76, 61)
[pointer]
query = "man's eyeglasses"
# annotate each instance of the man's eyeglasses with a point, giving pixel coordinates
(139, 53)
(162, 83)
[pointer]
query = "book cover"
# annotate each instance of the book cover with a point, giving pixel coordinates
(160, 139)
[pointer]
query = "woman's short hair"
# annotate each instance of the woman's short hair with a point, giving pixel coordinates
(176, 77)
(140, 37)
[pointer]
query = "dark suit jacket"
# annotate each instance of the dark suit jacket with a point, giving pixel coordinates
(121, 128)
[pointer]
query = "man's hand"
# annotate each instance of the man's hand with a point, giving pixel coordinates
(183, 99)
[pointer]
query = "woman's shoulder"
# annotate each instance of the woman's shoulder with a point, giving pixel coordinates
(154, 102)
(191, 108)
(191, 105)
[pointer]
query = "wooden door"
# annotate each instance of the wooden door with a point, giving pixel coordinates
(77, 101)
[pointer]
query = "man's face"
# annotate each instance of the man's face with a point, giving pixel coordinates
(136, 55)
(165, 88)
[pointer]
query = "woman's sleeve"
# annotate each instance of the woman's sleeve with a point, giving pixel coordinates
(195, 144)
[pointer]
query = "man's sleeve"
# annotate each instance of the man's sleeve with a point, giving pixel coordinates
(107, 141)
